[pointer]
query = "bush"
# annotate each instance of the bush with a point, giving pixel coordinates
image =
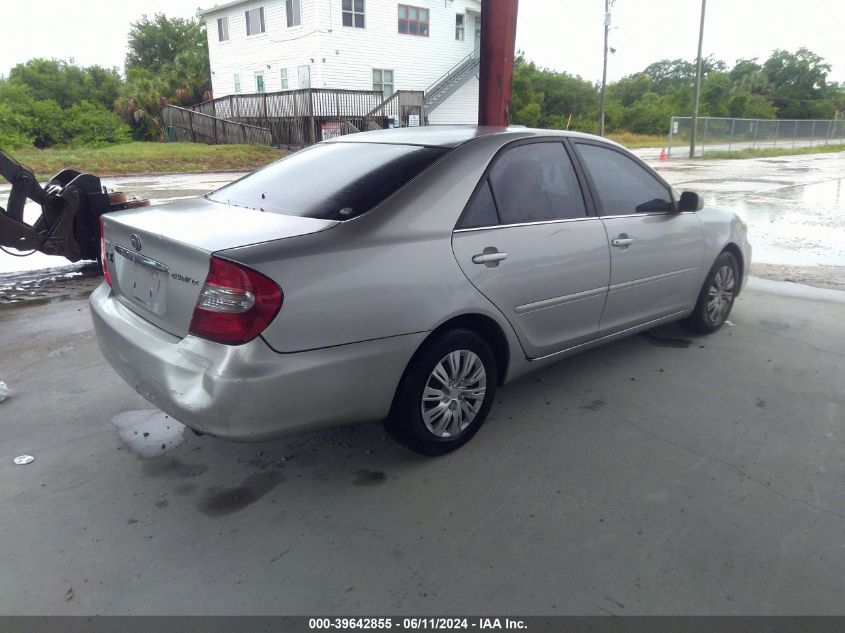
(12, 125)
(90, 124)
(45, 123)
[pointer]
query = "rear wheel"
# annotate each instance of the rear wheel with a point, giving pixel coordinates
(445, 394)
(716, 297)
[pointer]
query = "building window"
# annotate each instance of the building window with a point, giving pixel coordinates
(284, 78)
(353, 13)
(383, 80)
(413, 20)
(293, 8)
(237, 82)
(222, 29)
(459, 27)
(254, 21)
(259, 82)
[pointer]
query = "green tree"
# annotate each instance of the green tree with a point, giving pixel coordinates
(140, 104)
(545, 98)
(155, 43)
(167, 62)
(65, 83)
(799, 85)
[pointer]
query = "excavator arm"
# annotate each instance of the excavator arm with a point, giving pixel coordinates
(71, 205)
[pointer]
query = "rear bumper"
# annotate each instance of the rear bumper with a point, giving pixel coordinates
(249, 392)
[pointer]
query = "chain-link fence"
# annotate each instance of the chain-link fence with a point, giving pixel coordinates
(714, 134)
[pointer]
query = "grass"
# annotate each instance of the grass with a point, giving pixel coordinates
(763, 152)
(147, 158)
(633, 141)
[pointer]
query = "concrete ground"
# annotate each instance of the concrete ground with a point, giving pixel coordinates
(663, 474)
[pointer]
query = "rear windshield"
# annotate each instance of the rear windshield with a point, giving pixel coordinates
(330, 181)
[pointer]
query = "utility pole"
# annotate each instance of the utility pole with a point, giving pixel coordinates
(498, 36)
(604, 66)
(697, 83)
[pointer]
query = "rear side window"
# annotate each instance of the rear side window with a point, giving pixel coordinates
(331, 181)
(536, 182)
(481, 211)
(622, 184)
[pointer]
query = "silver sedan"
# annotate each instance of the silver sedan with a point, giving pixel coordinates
(402, 275)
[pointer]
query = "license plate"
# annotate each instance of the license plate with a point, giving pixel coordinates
(146, 288)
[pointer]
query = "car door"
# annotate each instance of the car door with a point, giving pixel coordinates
(529, 242)
(656, 253)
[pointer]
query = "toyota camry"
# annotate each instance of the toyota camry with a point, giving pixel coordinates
(402, 275)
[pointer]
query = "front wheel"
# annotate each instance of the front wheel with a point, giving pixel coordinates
(716, 297)
(445, 395)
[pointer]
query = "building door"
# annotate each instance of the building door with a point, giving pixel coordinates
(304, 77)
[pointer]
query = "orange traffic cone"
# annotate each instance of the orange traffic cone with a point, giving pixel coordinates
(662, 153)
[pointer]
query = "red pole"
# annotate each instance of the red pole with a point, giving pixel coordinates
(498, 38)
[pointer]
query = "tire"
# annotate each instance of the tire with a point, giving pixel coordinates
(716, 297)
(444, 421)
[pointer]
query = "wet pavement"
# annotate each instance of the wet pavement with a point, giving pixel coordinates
(661, 474)
(794, 205)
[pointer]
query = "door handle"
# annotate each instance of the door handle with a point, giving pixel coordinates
(490, 257)
(622, 240)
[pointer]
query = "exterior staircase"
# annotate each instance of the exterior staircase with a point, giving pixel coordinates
(456, 77)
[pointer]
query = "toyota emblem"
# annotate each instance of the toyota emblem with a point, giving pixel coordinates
(136, 242)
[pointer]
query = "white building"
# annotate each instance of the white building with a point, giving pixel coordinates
(271, 45)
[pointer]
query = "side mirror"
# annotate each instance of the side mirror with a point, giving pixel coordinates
(690, 201)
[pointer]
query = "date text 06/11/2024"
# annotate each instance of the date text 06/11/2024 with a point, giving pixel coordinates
(415, 624)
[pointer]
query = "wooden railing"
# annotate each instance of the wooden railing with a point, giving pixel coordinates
(184, 124)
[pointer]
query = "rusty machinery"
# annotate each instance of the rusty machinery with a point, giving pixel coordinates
(71, 205)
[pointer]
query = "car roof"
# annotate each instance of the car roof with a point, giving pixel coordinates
(452, 135)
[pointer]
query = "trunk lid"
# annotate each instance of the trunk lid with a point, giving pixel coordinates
(158, 257)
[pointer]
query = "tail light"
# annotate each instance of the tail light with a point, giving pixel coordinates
(236, 304)
(104, 253)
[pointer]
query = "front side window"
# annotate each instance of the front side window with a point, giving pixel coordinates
(535, 183)
(459, 27)
(284, 78)
(222, 29)
(331, 181)
(259, 82)
(413, 20)
(353, 13)
(254, 21)
(623, 185)
(383, 81)
(237, 82)
(293, 9)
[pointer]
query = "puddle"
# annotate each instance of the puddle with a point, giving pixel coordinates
(45, 285)
(149, 432)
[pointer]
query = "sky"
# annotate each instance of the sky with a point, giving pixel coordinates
(564, 35)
